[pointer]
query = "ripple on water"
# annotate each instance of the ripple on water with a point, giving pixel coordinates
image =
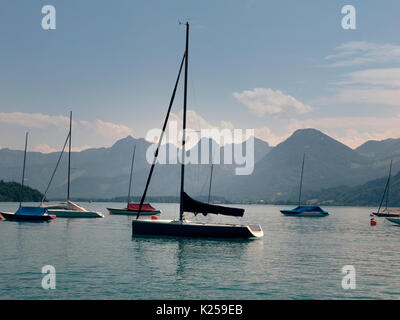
(298, 258)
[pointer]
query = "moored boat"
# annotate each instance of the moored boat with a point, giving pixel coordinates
(131, 207)
(186, 228)
(387, 212)
(183, 227)
(304, 211)
(25, 213)
(394, 220)
(68, 209)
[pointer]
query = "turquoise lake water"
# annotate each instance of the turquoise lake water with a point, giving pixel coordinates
(298, 258)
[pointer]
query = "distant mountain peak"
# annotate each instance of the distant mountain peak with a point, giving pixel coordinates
(308, 131)
(129, 140)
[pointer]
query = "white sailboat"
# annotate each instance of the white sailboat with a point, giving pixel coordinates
(387, 212)
(68, 209)
(182, 227)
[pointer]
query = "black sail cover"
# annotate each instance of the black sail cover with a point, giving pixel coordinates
(191, 205)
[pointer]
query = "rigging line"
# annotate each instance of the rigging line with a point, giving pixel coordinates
(301, 178)
(55, 169)
(386, 187)
(209, 190)
(383, 197)
(210, 146)
(161, 137)
(130, 177)
(193, 88)
(69, 154)
(211, 171)
(23, 170)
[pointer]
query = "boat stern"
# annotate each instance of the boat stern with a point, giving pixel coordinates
(256, 230)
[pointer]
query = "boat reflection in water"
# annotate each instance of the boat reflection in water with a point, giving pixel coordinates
(180, 254)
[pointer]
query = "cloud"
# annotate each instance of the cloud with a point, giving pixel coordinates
(43, 148)
(387, 77)
(33, 120)
(367, 87)
(110, 129)
(363, 52)
(261, 101)
(43, 121)
(54, 128)
(268, 136)
(362, 96)
(197, 127)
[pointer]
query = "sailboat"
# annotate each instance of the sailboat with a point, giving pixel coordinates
(387, 212)
(25, 213)
(132, 208)
(182, 227)
(69, 209)
(304, 211)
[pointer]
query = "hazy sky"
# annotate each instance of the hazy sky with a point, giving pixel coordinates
(274, 66)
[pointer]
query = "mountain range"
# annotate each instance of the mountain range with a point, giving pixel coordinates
(104, 172)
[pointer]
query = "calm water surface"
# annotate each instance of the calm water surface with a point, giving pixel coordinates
(298, 258)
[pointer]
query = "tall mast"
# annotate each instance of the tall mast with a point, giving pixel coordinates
(184, 123)
(301, 179)
(386, 191)
(23, 170)
(209, 189)
(69, 153)
(388, 184)
(130, 178)
(211, 173)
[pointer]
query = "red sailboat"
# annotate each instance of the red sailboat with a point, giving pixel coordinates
(132, 208)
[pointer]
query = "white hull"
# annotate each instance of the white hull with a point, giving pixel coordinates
(71, 210)
(75, 214)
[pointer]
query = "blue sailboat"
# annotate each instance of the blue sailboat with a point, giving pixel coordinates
(26, 213)
(305, 211)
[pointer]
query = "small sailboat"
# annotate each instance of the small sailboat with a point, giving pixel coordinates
(387, 212)
(182, 227)
(394, 220)
(25, 213)
(68, 209)
(304, 211)
(132, 208)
